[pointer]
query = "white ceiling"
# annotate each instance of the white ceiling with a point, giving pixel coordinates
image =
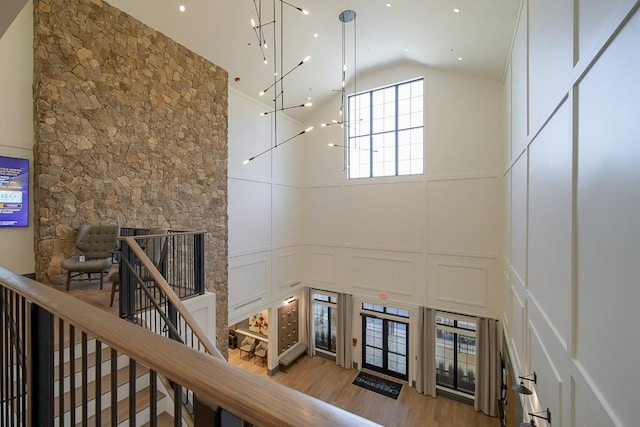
(426, 32)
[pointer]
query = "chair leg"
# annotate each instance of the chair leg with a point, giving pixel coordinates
(101, 279)
(68, 279)
(114, 288)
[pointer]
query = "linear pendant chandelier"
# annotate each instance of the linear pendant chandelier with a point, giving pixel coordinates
(278, 85)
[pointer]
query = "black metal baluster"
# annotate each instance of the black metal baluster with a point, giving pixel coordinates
(98, 382)
(132, 392)
(12, 338)
(41, 365)
(199, 263)
(153, 398)
(72, 375)
(85, 397)
(61, 396)
(177, 406)
(4, 339)
(23, 359)
(114, 388)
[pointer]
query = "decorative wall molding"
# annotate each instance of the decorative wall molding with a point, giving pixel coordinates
(463, 177)
(378, 274)
(288, 267)
(465, 254)
(459, 295)
(328, 263)
(255, 282)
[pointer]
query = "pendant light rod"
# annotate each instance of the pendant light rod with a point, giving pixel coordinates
(299, 9)
(307, 104)
(285, 75)
(309, 129)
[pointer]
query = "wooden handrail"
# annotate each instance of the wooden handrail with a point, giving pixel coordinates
(173, 298)
(257, 400)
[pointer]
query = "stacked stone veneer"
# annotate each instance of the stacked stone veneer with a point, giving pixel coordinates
(130, 128)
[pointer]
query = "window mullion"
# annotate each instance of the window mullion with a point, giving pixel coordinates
(455, 361)
(396, 130)
(371, 134)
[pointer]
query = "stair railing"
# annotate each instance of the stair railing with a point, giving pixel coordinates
(62, 335)
(153, 300)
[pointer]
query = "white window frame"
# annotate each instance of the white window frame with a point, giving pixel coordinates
(370, 141)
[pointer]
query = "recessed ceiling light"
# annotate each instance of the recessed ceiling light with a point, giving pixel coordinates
(456, 10)
(315, 35)
(459, 58)
(182, 8)
(388, 4)
(406, 50)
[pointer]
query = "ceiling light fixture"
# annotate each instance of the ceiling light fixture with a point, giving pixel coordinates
(520, 388)
(286, 74)
(309, 129)
(278, 55)
(456, 10)
(388, 4)
(305, 12)
(306, 104)
(459, 58)
(182, 8)
(533, 415)
(345, 17)
(331, 144)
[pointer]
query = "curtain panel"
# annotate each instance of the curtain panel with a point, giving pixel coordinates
(488, 366)
(344, 354)
(426, 368)
(307, 310)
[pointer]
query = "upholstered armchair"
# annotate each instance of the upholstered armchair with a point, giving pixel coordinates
(95, 245)
(260, 352)
(248, 345)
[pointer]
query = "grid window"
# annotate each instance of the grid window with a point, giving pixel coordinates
(325, 321)
(384, 309)
(386, 131)
(456, 352)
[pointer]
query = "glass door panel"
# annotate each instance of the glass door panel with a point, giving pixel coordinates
(385, 346)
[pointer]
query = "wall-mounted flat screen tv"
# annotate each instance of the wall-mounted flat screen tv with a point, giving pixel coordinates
(14, 192)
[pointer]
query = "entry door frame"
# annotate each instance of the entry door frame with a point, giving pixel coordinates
(385, 346)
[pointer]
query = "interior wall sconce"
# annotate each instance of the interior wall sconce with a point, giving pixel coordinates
(290, 299)
(532, 422)
(521, 388)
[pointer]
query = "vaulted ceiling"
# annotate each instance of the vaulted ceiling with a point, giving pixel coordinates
(473, 39)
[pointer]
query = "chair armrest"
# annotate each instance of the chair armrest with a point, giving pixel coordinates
(115, 255)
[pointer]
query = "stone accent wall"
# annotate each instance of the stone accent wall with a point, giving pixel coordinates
(130, 128)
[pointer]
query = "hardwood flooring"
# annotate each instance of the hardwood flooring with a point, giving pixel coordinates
(324, 380)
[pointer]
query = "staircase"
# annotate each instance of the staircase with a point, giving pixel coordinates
(75, 395)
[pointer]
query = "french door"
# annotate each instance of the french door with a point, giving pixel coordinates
(385, 345)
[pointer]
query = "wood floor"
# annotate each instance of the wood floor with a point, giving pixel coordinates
(324, 380)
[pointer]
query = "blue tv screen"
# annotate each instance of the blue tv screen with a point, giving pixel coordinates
(14, 192)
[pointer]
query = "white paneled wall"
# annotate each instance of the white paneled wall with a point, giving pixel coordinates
(574, 204)
(432, 239)
(550, 219)
(16, 122)
(373, 217)
(265, 208)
